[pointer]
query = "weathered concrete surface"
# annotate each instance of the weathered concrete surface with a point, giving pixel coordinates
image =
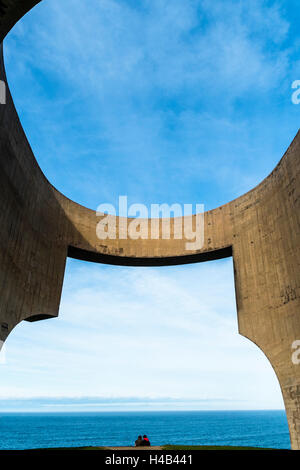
(40, 227)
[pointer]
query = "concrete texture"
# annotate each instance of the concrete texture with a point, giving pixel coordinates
(40, 227)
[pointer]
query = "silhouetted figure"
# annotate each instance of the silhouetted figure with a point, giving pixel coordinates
(145, 441)
(139, 441)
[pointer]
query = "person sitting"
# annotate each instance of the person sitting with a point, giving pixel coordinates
(139, 441)
(145, 441)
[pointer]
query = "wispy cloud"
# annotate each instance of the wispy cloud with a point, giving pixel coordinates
(42, 404)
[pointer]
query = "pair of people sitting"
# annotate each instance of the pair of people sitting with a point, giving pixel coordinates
(142, 441)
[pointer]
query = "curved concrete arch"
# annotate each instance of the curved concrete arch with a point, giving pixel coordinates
(40, 227)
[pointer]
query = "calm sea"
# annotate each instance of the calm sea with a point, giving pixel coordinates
(245, 428)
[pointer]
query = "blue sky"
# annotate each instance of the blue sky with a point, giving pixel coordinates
(183, 101)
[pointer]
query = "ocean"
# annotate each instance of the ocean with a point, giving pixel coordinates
(238, 428)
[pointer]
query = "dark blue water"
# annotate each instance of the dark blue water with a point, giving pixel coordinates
(245, 428)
